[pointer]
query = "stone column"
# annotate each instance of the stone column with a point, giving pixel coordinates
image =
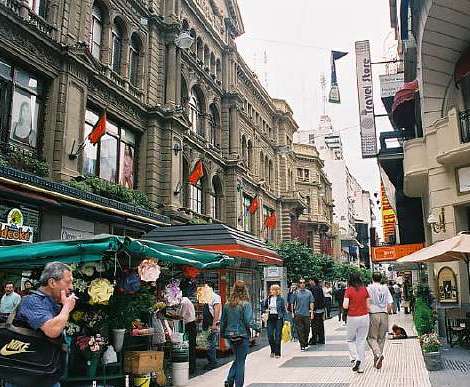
(178, 77)
(171, 72)
(234, 132)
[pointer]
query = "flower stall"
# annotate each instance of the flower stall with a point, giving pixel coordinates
(123, 325)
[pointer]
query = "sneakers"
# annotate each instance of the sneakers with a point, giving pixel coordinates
(272, 355)
(277, 356)
(302, 349)
(378, 364)
(356, 366)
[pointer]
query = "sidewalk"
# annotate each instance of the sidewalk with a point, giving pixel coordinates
(329, 366)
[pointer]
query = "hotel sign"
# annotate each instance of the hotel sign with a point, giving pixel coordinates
(366, 99)
(14, 230)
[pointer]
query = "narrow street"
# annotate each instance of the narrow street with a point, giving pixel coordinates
(328, 365)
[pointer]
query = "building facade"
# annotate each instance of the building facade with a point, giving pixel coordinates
(436, 152)
(67, 65)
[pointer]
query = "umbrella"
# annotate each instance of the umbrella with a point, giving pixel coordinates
(456, 248)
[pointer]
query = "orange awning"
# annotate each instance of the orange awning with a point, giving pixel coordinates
(384, 254)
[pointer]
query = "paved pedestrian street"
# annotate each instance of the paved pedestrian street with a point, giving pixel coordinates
(329, 365)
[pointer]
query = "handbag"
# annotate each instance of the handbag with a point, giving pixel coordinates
(265, 317)
(27, 355)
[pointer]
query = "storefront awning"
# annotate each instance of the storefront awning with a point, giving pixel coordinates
(99, 247)
(217, 238)
(403, 108)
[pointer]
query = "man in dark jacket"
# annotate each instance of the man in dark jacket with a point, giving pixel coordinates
(317, 326)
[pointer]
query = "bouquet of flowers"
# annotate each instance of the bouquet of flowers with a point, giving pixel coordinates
(91, 346)
(173, 293)
(429, 342)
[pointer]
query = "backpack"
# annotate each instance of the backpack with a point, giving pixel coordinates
(207, 318)
(27, 355)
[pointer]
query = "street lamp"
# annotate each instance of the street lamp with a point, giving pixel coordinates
(184, 40)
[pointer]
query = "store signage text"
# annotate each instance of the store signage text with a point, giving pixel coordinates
(14, 230)
(366, 99)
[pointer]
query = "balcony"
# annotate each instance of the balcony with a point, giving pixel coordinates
(453, 136)
(415, 167)
(21, 10)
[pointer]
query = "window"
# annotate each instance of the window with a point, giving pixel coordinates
(38, 7)
(195, 113)
(216, 194)
(96, 31)
(134, 58)
(113, 158)
(300, 173)
(20, 105)
(214, 122)
(268, 234)
(309, 208)
(116, 47)
(306, 175)
(246, 214)
(195, 197)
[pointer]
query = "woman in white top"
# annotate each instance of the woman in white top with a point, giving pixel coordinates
(276, 307)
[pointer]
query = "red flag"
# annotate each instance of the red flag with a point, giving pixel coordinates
(98, 130)
(271, 221)
(197, 173)
(254, 205)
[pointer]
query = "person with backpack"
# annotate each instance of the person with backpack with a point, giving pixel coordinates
(210, 322)
(317, 323)
(235, 327)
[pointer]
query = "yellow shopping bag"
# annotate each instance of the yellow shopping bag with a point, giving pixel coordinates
(286, 332)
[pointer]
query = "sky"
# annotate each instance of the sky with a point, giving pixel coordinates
(297, 36)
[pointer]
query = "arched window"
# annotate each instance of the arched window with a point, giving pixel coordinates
(266, 169)
(216, 194)
(184, 93)
(117, 36)
(193, 35)
(212, 64)
(96, 30)
(135, 49)
(200, 49)
(196, 197)
(218, 69)
(196, 112)
(206, 56)
(214, 122)
(250, 155)
(271, 172)
(261, 165)
(244, 151)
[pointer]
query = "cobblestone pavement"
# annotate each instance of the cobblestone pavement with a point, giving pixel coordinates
(328, 366)
(456, 372)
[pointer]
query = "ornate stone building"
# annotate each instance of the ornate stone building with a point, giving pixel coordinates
(65, 64)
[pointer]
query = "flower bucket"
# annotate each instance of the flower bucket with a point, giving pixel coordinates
(92, 366)
(142, 381)
(118, 339)
(433, 361)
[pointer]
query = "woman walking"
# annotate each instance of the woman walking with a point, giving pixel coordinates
(237, 319)
(275, 306)
(356, 301)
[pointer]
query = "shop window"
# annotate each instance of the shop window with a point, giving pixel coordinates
(268, 234)
(135, 49)
(447, 286)
(20, 105)
(247, 226)
(195, 197)
(96, 30)
(116, 47)
(113, 159)
(38, 7)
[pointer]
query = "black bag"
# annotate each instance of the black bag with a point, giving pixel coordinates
(318, 297)
(28, 357)
(207, 318)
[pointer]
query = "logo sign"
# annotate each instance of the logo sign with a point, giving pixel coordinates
(390, 84)
(366, 99)
(392, 253)
(14, 230)
(14, 347)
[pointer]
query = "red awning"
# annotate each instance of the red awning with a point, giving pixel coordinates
(403, 108)
(462, 68)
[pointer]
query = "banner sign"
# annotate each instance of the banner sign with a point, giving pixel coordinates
(392, 253)
(390, 84)
(334, 96)
(366, 99)
(14, 230)
(388, 216)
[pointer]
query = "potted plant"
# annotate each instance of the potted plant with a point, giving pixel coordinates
(430, 345)
(91, 348)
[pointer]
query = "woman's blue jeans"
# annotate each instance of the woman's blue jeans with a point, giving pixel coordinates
(274, 333)
(237, 370)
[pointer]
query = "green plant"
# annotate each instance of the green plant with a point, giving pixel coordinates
(424, 318)
(123, 309)
(430, 342)
(423, 292)
(24, 161)
(112, 191)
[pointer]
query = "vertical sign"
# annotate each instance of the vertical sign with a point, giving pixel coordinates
(366, 99)
(388, 217)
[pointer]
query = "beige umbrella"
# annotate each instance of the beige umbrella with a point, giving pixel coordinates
(456, 248)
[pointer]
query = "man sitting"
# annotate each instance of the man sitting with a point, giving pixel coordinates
(398, 332)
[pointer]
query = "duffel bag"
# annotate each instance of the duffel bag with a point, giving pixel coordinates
(29, 357)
